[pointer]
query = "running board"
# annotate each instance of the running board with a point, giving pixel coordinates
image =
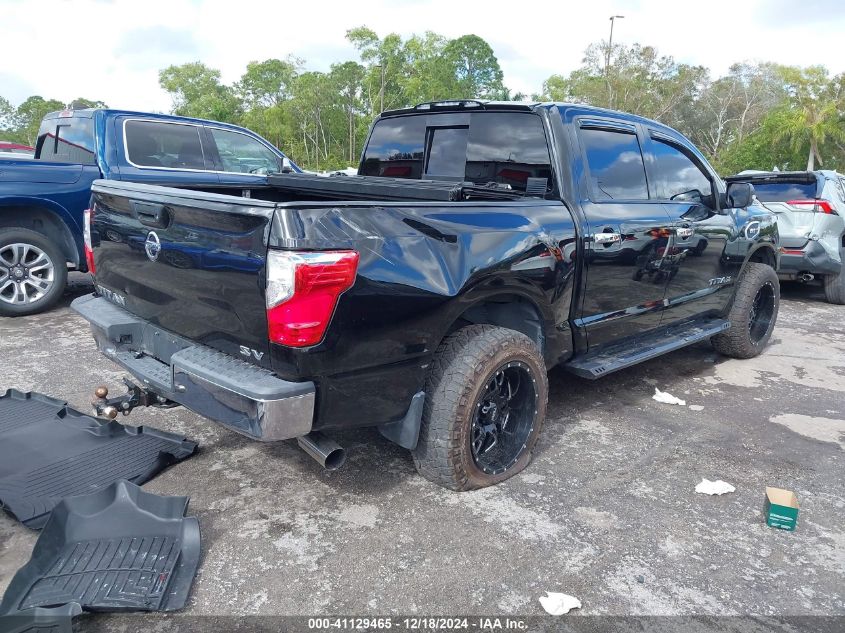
(610, 359)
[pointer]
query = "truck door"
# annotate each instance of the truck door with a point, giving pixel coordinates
(628, 234)
(698, 273)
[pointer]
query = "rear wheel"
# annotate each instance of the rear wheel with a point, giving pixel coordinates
(753, 314)
(33, 272)
(485, 404)
(834, 288)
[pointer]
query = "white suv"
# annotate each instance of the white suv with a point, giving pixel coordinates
(810, 208)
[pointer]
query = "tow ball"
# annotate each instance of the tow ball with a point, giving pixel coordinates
(135, 396)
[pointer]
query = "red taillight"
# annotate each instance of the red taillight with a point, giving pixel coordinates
(822, 206)
(302, 292)
(88, 215)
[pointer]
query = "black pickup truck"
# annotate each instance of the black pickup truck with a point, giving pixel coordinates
(482, 244)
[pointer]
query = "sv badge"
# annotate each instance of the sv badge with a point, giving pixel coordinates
(249, 352)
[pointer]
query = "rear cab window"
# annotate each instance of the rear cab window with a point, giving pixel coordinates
(396, 148)
(159, 144)
(507, 148)
(66, 140)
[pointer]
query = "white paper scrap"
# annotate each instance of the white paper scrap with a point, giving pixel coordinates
(667, 398)
(718, 487)
(559, 603)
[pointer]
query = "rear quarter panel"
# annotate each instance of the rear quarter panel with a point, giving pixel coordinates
(421, 267)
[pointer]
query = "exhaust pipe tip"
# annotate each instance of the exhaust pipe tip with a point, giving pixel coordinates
(325, 451)
(335, 459)
(807, 277)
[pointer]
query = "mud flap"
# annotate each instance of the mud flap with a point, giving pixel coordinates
(49, 451)
(118, 549)
(406, 431)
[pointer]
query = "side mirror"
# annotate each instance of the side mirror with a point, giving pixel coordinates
(286, 168)
(740, 194)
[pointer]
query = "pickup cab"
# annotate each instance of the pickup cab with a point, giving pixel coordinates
(42, 200)
(482, 244)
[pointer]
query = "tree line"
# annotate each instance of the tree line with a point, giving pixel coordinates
(757, 116)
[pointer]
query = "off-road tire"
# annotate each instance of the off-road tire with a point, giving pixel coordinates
(462, 367)
(834, 287)
(58, 260)
(738, 342)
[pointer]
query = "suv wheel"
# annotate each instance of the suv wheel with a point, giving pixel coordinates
(33, 272)
(834, 288)
(486, 397)
(753, 314)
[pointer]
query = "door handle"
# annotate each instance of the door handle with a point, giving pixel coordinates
(607, 238)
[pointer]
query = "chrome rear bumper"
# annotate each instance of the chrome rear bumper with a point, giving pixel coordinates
(243, 397)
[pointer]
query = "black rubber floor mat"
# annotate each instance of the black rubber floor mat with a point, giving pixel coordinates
(118, 549)
(49, 451)
(41, 620)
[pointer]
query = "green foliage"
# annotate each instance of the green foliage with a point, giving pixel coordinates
(6, 112)
(20, 125)
(321, 119)
(28, 115)
(80, 103)
(762, 149)
(637, 80)
(813, 112)
(757, 116)
(197, 92)
(268, 83)
(473, 70)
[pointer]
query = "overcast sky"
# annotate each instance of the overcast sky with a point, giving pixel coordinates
(113, 50)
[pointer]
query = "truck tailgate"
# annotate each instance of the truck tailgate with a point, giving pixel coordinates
(188, 261)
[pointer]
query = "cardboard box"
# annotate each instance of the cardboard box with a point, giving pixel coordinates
(781, 508)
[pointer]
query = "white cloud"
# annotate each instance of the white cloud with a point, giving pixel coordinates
(113, 50)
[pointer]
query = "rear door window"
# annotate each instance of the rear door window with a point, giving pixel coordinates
(615, 163)
(159, 144)
(784, 191)
(69, 140)
(242, 154)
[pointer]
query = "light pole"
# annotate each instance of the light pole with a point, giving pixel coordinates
(613, 18)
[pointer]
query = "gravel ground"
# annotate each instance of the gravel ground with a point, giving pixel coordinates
(606, 511)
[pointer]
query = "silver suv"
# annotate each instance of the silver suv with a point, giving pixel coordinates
(810, 208)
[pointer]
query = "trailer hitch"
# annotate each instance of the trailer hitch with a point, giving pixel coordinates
(135, 396)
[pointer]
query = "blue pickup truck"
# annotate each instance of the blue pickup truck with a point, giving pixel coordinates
(42, 201)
